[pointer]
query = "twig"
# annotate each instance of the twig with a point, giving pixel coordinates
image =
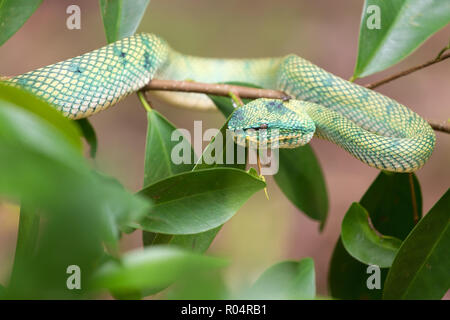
(242, 92)
(443, 126)
(439, 58)
(443, 50)
(215, 89)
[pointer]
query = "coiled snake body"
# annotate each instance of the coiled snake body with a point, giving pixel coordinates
(372, 127)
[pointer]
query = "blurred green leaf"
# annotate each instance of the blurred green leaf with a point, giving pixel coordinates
(301, 179)
(27, 101)
(121, 17)
(389, 204)
(26, 137)
(208, 285)
(213, 197)
(89, 134)
(13, 14)
(27, 236)
(363, 243)
(121, 207)
(153, 267)
(287, 280)
(404, 25)
(421, 268)
(41, 163)
(158, 158)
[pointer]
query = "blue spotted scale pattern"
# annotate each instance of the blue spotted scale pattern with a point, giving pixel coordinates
(87, 84)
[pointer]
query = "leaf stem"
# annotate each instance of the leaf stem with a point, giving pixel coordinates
(27, 236)
(236, 99)
(144, 101)
(442, 51)
(214, 89)
(413, 198)
(440, 58)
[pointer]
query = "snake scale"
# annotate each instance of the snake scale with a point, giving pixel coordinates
(372, 127)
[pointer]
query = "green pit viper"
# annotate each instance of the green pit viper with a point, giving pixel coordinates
(372, 127)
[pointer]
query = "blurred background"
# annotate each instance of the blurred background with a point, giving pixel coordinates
(322, 31)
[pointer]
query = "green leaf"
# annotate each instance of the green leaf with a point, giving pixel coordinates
(89, 134)
(153, 267)
(421, 268)
(2, 291)
(27, 235)
(404, 26)
(301, 179)
(13, 14)
(198, 242)
(389, 202)
(158, 166)
(347, 277)
(159, 163)
(40, 163)
(121, 17)
(27, 101)
(287, 280)
(208, 285)
(363, 243)
(213, 197)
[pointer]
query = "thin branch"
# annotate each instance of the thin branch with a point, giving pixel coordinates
(440, 58)
(255, 93)
(443, 50)
(443, 126)
(215, 89)
(242, 92)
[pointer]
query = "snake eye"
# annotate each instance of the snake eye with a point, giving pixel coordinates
(260, 127)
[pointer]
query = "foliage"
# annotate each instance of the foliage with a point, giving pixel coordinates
(72, 214)
(420, 269)
(404, 26)
(13, 14)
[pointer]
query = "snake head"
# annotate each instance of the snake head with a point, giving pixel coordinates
(272, 123)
